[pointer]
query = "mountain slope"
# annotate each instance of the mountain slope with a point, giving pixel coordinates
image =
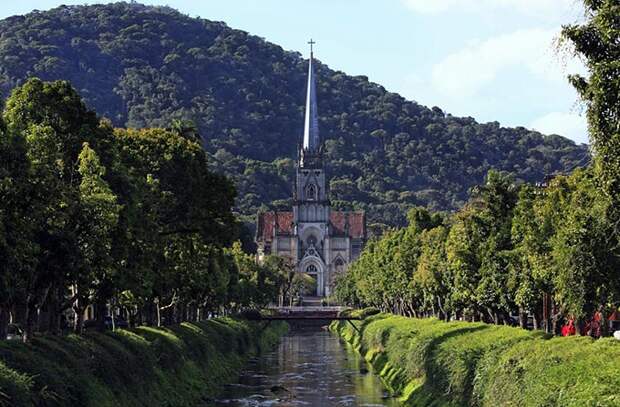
(145, 66)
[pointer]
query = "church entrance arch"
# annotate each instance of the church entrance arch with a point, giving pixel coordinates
(313, 267)
(313, 272)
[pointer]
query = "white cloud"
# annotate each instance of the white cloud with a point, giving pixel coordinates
(513, 78)
(466, 72)
(569, 125)
(540, 8)
(516, 77)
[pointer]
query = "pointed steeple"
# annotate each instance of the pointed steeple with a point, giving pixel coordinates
(311, 124)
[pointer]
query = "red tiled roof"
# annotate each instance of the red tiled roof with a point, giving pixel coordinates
(283, 224)
(267, 221)
(356, 221)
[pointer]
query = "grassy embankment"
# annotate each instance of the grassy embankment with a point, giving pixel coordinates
(183, 365)
(428, 362)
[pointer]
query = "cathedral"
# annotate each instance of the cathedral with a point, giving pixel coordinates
(320, 242)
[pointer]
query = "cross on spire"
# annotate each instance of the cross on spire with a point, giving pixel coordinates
(311, 42)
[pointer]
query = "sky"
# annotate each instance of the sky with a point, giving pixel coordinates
(494, 60)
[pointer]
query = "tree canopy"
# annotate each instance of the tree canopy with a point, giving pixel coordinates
(129, 221)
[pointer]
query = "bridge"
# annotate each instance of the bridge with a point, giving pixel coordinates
(308, 313)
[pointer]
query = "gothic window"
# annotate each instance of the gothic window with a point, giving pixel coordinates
(311, 269)
(311, 192)
(339, 263)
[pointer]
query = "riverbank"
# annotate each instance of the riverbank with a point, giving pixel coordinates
(428, 362)
(175, 366)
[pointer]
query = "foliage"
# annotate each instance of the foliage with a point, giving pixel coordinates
(597, 41)
(498, 257)
(174, 366)
(431, 363)
(143, 66)
(127, 221)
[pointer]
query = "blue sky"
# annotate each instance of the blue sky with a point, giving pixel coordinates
(489, 59)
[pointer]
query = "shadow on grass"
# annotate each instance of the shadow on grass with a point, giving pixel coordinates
(437, 375)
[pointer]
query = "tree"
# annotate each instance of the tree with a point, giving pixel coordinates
(128, 219)
(98, 217)
(597, 41)
(18, 250)
(529, 278)
(583, 252)
(432, 273)
(54, 122)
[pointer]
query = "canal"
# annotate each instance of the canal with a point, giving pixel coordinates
(310, 367)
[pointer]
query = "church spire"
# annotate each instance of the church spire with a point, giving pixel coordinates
(311, 124)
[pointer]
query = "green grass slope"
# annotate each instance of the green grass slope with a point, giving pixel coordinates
(177, 366)
(428, 362)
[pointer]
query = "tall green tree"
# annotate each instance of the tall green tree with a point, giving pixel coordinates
(18, 250)
(98, 217)
(597, 41)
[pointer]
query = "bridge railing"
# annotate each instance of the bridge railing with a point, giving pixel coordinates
(308, 308)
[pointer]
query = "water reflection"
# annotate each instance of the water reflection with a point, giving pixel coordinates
(309, 368)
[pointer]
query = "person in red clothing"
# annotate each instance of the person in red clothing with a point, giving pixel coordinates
(569, 328)
(595, 325)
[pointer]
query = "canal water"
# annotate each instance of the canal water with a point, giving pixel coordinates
(310, 367)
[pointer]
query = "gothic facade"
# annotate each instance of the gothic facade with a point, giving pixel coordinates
(320, 241)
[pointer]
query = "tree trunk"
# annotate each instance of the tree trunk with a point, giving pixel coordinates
(522, 318)
(555, 326)
(55, 313)
(5, 317)
(604, 323)
(29, 318)
(101, 311)
(536, 320)
(78, 323)
(158, 309)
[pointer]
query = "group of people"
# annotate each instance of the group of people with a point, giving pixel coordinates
(592, 327)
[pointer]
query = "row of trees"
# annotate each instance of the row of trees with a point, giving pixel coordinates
(547, 250)
(129, 220)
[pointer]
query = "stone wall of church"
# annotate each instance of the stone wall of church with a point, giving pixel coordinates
(311, 212)
(286, 247)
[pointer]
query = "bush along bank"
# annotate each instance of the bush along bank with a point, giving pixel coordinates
(427, 362)
(183, 365)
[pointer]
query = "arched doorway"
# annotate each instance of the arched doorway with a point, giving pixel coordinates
(313, 268)
(311, 286)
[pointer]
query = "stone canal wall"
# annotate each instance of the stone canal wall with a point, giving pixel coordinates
(427, 362)
(183, 365)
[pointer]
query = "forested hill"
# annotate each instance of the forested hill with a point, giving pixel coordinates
(145, 66)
